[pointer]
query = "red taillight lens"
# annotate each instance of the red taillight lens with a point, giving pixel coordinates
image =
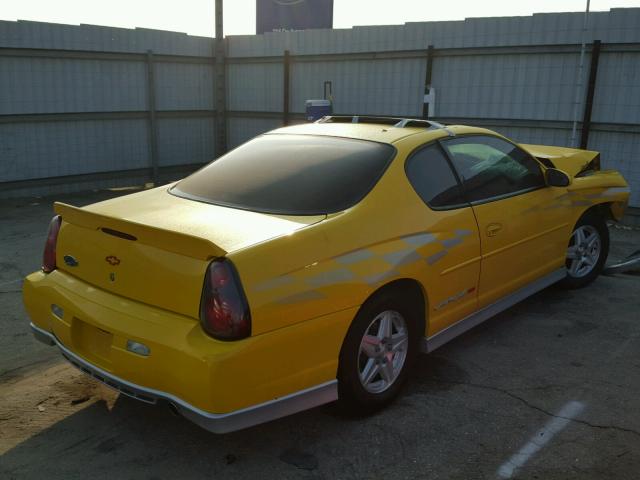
(49, 256)
(224, 311)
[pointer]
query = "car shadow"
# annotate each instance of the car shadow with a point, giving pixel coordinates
(149, 441)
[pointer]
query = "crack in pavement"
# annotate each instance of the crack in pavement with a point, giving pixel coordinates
(540, 409)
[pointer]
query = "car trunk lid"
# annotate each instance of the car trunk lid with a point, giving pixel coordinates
(154, 248)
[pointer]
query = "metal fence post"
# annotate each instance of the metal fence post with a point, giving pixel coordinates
(285, 93)
(591, 90)
(221, 88)
(427, 81)
(286, 68)
(153, 126)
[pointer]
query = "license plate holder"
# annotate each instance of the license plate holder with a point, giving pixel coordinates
(91, 340)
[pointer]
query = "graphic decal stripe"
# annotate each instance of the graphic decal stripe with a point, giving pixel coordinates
(379, 277)
(403, 257)
(274, 283)
(331, 277)
(355, 256)
(452, 242)
(436, 256)
(420, 239)
(346, 265)
(302, 297)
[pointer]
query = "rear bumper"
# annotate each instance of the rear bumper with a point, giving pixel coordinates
(217, 423)
(221, 386)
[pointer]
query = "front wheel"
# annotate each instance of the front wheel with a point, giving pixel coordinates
(587, 251)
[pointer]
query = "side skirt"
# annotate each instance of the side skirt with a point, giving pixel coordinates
(429, 344)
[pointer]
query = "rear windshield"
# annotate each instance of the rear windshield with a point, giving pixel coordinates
(290, 174)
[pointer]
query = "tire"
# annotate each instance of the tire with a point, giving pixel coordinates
(393, 359)
(587, 250)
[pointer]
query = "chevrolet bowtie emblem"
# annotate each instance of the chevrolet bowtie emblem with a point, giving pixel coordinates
(112, 260)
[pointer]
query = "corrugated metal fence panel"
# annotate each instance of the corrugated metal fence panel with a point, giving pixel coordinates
(48, 85)
(183, 141)
(43, 85)
(255, 87)
(27, 34)
(620, 151)
(384, 87)
(242, 129)
(53, 149)
(617, 95)
(618, 25)
(506, 86)
(615, 26)
(535, 136)
(181, 86)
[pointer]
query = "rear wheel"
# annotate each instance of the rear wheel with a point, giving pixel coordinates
(587, 251)
(380, 346)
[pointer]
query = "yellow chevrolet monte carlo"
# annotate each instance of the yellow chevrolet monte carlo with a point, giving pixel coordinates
(314, 262)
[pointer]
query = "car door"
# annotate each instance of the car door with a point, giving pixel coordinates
(523, 236)
(452, 270)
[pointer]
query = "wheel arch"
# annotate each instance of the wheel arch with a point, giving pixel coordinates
(612, 211)
(414, 292)
(606, 210)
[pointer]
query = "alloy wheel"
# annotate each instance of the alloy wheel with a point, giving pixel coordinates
(584, 251)
(383, 351)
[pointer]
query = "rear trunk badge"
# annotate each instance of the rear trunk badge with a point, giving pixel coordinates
(112, 260)
(70, 261)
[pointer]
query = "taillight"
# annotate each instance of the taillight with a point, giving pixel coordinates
(49, 256)
(224, 311)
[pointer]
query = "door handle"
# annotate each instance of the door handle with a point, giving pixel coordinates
(493, 229)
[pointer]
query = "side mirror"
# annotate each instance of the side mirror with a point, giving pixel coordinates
(557, 178)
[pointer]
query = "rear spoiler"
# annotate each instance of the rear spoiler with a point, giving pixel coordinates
(169, 240)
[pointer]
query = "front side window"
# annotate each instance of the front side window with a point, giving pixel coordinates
(490, 167)
(432, 178)
(291, 174)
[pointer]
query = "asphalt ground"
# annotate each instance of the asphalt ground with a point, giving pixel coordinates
(549, 389)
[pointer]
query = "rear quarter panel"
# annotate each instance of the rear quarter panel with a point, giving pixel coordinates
(338, 263)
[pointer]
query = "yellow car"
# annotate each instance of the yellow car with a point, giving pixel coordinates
(314, 262)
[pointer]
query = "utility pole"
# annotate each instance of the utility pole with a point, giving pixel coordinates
(221, 88)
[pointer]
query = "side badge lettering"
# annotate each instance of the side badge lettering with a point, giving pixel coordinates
(455, 297)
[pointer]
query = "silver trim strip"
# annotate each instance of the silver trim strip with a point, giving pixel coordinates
(214, 422)
(435, 341)
(42, 335)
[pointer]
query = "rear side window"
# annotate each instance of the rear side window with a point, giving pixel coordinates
(433, 180)
(491, 167)
(291, 174)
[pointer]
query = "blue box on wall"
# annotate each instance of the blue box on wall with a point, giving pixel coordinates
(316, 109)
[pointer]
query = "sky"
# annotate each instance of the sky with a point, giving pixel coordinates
(196, 17)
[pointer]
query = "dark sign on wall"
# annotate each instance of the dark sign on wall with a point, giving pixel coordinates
(282, 15)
